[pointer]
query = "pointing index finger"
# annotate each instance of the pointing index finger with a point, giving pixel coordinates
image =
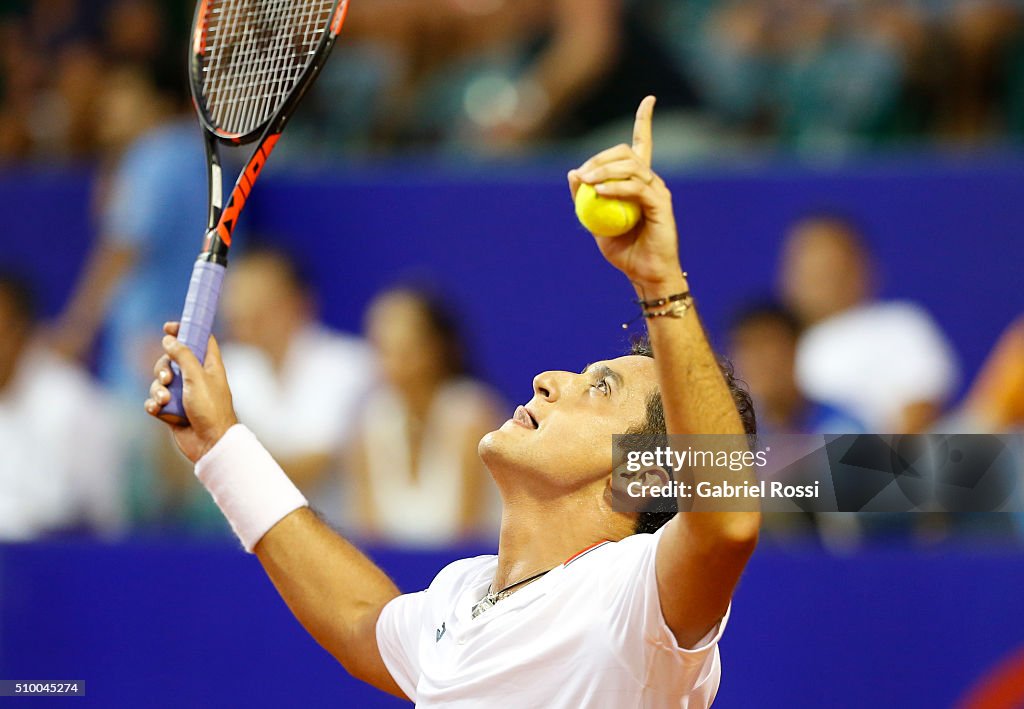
(643, 143)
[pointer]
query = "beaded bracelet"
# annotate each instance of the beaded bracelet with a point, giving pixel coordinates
(680, 302)
(659, 302)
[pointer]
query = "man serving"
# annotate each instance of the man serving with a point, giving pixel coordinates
(583, 606)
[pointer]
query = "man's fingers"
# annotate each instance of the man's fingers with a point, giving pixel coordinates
(619, 152)
(632, 189)
(619, 170)
(162, 369)
(643, 143)
(622, 188)
(574, 182)
(171, 328)
(159, 393)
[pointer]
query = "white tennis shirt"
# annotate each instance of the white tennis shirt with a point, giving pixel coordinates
(590, 633)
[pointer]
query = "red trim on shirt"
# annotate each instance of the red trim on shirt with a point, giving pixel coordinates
(578, 554)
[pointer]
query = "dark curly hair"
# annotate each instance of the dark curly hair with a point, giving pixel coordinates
(650, 521)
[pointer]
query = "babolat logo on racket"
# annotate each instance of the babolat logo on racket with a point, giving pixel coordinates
(250, 65)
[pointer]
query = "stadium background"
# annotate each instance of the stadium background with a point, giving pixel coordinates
(165, 621)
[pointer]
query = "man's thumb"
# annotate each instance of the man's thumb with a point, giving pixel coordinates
(186, 360)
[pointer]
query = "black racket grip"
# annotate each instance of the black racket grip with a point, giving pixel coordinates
(196, 326)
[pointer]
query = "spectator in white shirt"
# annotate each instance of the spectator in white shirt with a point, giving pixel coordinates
(297, 383)
(419, 479)
(885, 363)
(763, 340)
(59, 456)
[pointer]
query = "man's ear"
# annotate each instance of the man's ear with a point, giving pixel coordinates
(654, 476)
(629, 487)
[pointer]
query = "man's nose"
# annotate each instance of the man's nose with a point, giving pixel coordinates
(550, 385)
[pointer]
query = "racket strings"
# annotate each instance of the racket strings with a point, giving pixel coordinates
(254, 55)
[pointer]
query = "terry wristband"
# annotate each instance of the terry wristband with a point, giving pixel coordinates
(248, 485)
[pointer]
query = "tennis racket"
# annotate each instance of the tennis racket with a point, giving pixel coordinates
(250, 64)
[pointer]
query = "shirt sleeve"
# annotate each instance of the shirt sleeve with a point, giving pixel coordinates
(397, 634)
(640, 634)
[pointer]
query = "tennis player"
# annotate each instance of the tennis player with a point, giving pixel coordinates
(583, 606)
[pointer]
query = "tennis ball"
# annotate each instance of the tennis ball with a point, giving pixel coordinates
(604, 216)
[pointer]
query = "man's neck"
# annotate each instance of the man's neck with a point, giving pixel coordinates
(538, 535)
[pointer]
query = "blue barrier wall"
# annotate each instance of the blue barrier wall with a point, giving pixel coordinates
(534, 289)
(157, 625)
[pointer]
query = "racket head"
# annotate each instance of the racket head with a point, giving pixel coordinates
(250, 61)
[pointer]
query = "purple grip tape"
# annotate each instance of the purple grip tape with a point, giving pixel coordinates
(196, 323)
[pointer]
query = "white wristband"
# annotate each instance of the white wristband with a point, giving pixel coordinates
(248, 485)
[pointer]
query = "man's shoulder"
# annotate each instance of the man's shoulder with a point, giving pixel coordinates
(635, 543)
(463, 572)
(610, 559)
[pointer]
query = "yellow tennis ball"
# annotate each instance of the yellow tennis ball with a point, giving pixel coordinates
(603, 216)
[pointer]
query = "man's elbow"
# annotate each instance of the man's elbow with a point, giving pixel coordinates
(733, 533)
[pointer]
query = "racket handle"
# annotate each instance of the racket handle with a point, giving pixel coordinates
(196, 325)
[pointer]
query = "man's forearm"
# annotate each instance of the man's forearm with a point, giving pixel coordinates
(333, 589)
(696, 397)
(694, 392)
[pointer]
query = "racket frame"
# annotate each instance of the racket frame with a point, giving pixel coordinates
(204, 287)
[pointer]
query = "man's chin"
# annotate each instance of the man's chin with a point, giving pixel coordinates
(490, 444)
(502, 445)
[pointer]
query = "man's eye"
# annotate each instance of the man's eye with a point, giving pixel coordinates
(602, 386)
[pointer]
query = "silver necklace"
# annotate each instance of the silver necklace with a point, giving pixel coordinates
(490, 599)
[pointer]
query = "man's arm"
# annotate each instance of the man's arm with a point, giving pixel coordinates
(701, 554)
(333, 590)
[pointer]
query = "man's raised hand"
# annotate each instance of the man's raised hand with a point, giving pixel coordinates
(649, 254)
(205, 394)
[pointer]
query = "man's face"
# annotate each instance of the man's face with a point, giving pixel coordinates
(562, 436)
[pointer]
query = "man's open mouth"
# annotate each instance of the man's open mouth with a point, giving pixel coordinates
(523, 417)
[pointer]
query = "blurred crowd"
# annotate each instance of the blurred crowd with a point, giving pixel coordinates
(824, 355)
(380, 429)
(78, 80)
